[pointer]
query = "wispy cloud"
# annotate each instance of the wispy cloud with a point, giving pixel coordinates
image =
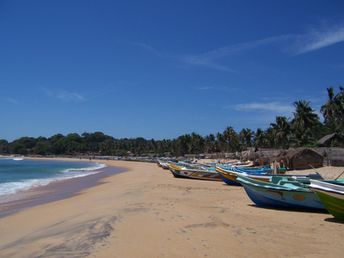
(218, 89)
(65, 96)
(319, 38)
(199, 61)
(276, 107)
(204, 88)
(11, 101)
(210, 59)
(148, 48)
(312, 40)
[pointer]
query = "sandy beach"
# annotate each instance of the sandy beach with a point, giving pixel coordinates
(146, 212)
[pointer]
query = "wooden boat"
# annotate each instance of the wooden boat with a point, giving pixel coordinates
(162, 164)
(282, 193)
(229, 176)
(250, 170)
(194, 172)
(158, 162)
(331, 194)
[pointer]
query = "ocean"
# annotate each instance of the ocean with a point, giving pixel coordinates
(22, 174)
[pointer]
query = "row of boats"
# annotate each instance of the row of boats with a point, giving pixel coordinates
(267, 189)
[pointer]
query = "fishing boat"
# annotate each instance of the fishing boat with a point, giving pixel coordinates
(163, 164)
(229, 173)
(251, 170)
(158, 162)
(281, 193)
(331, 194)
(229, 176)
(194, 172)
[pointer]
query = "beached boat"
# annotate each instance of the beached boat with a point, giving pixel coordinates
(158, 162)
(229, 176)
(331, 194)
(194, 172)
(250, 170)
(282, 193)
(163, 164)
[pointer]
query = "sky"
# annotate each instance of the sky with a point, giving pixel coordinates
(160, 69)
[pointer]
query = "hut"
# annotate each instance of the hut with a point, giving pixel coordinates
(304, 158)
(262, 156)
(335, 156)
(334, 139)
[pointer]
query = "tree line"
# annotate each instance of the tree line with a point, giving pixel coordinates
(303, 129)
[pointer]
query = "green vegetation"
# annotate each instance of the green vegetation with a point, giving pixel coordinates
(304, 129)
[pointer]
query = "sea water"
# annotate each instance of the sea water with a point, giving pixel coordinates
(17, 175)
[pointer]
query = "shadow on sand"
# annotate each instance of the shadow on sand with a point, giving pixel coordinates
(289, 209)
(334, 220)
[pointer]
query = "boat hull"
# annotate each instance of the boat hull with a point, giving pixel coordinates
(180, 172)
(331, 194)
(282, 199)
(229, 180)
(288, 195)
(230, 177)
(333, 203)
(201, 175)
(176, 174)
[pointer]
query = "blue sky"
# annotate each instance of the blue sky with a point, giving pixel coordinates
(159, 69)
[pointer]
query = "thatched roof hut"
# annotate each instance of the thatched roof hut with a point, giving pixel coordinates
(333, 139)
(261, 156)
(335, 156)
(303, 158)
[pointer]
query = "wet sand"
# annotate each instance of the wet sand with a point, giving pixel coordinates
(145, 212)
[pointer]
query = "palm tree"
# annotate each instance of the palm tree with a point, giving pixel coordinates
(330, 109)
(197, 143)
(245, 136)
(282, 131)
(231, 138)
(333, 110)
(260, 138)
(340, 111)
(210, 143)
(221, 142)
(305, 122)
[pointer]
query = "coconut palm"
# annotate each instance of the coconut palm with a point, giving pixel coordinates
(210, 143)
(245, 136)
(221, 142)
(340, 110)
(330, 109)
(270, 136)
(282, 131)
(260, 138)
(305, 122)
(232, 139)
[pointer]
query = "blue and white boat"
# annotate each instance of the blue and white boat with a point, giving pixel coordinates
(281, 193)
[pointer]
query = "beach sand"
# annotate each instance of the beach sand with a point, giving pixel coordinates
(146, 212)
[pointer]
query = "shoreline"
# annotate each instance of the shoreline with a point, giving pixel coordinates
(146, 212)
(55, 190)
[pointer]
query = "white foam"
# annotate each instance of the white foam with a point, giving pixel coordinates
(96, 167)
(18, 159)
(14, 187)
